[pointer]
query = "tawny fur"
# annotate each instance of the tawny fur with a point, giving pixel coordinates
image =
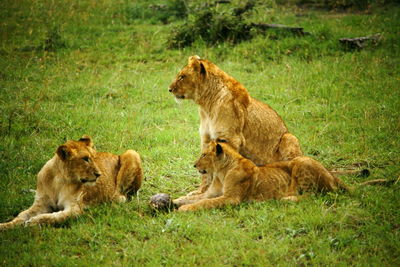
(237, 179)
(229, 113)
(78, 176)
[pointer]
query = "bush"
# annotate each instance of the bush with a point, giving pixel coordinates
(213, 27)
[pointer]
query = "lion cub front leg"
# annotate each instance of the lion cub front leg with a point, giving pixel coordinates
(184, 200)
(233, 191)
(205, 184)
(214, 190)
(210, 203)
(37, 208)
(55, 217)
(206, 179)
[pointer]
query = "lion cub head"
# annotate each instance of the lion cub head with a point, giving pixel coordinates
(214, 157)
(77, 161)
(188, 79)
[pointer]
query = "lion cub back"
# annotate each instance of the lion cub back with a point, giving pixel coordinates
(122, 176)
(270, 183)
(105, 186)
(310, 175)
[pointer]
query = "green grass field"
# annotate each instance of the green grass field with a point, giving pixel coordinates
(103, 68)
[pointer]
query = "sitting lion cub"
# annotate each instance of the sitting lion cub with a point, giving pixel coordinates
(229, 113)
(237, 179)
(78, 176)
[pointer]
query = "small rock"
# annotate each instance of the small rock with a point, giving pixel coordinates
(161, 201)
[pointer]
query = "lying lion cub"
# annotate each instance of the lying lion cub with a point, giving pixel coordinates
(78, 176)
(238, 179)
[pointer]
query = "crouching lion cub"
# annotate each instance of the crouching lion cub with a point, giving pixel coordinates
(229, 113)
(237, 179)
(78, 176)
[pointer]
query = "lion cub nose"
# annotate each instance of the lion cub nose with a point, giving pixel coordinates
(194, 165)
(170, 90)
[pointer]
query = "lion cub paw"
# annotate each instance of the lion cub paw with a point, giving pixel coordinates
(32, 221)
(188, 207)
(291, 198)
(3, 226)
(193, 193)
(180, 201)
(120, 198)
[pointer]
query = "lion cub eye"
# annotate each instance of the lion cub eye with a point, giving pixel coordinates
(180, 78)
(202, 155)
(86, 159)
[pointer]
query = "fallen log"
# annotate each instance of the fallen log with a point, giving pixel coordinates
(295, 30)
(360, 173)
(360, 42)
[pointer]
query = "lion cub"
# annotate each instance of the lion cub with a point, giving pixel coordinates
(78, 176)
(237, 179)
(229, 113)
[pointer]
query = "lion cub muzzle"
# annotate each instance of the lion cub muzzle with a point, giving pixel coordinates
(202, 171)
(92, 180)
(199, 167)
(174, 90)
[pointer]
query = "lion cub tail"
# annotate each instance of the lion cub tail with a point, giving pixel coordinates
(361, 173)
(383, 182)
(341, 185)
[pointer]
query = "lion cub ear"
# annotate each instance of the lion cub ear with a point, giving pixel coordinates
(64, 152)
(218, 149)
(87, 140)
(193, 59)
(203, 71)
(197, 65)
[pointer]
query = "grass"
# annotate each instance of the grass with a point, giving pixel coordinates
(106, 74)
